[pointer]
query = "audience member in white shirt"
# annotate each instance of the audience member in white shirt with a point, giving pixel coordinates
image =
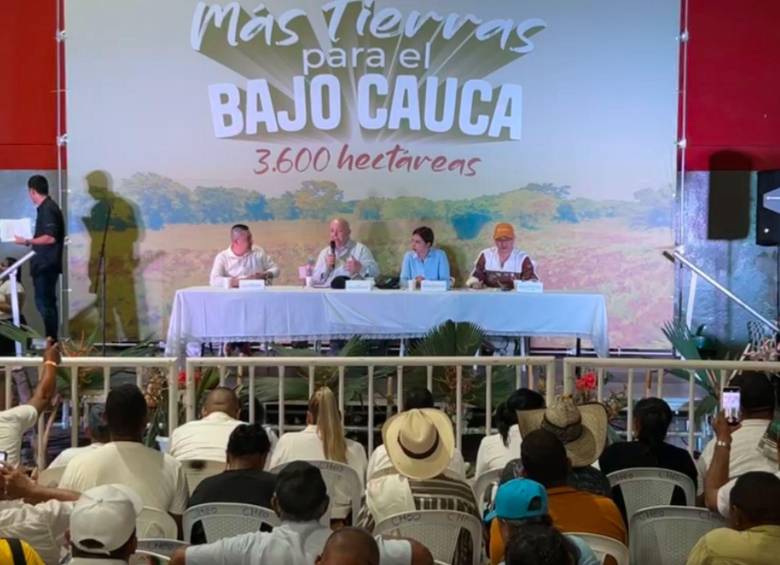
(207, 438)
(17, 420)
(323, 439)
(102, 526)
(35, 513)
(301, 498)
(158, 478)
(496, 450)
(757, 404)
(241, 260)
(98, 436)
(717, 485)
(379, 463)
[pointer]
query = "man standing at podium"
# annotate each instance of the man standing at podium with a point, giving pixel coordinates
(47, 242)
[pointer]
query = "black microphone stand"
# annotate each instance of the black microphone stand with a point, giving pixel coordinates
(102, 275)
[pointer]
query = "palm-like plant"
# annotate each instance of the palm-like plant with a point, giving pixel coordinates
(685, 342)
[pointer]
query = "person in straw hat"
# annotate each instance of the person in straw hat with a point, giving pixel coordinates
(502, 264)
(420, 444)
(583, 431)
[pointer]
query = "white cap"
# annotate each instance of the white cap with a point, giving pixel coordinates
(106, 515)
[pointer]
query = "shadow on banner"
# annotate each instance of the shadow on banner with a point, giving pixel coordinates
(120, 221)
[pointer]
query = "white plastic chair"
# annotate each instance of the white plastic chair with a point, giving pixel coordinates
(484, 483)
(665, 535)
(603, 546)
(159, 546)
(438, 530)
(51, 477)
(198, 469)
(227, 519)
(642, 487)
(339, 479)
(155, 523)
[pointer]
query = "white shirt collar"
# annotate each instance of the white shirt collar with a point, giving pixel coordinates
(218, 417)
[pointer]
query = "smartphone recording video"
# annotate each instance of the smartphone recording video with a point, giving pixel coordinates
(730, 404)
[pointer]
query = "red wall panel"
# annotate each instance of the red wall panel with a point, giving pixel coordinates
(28, 98)
(733, 83)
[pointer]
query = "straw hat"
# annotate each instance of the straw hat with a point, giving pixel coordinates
(582, 429)
(419, 442)
(503, 231)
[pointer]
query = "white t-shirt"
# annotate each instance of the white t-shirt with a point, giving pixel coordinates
(13, 423)
(158, 478)
(206, 438)
(5, 296)
(306, 445)
(227, 265)
(379, 463)
(41, 525)
(67, 455)
(493, 454)
(291, 543)
(745, 455)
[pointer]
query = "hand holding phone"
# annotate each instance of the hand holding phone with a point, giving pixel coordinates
(730, 404)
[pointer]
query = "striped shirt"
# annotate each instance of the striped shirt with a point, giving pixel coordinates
(439, 493)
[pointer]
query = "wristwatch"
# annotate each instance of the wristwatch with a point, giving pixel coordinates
(722, 443)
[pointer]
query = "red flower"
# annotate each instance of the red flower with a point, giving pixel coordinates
(586, 382)
(182, 380)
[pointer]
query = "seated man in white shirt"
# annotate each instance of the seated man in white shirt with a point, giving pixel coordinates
(17, 420)
(343, 257)
(158, 478)
(757, 406)
(301, 498)
(379, 463)
(98, 435)
(242, 260)
(207, 438)
(102, 526)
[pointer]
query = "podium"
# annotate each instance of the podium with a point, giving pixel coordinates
(10, 274)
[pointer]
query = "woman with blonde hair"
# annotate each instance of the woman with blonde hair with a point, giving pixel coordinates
(323, 439)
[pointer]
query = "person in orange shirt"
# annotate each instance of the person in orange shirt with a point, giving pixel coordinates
(545, 461)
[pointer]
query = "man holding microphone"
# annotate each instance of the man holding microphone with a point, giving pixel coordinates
(343, 257)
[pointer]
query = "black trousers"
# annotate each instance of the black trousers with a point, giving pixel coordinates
(45, 283)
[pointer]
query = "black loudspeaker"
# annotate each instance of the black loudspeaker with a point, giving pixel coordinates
(767, 201)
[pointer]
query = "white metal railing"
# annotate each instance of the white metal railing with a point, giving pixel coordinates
(545, 369)
(521, 365)
(107, 364)
(724, 371)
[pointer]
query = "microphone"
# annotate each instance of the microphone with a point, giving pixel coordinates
(332, 247)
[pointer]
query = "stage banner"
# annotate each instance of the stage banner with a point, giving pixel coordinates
(185, 117)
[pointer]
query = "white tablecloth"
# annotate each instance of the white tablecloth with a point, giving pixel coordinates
(206, 314)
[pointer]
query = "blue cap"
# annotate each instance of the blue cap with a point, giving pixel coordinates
(519, 499)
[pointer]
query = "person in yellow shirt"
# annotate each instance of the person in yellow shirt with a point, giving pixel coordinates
(753, 537)
(17, 552)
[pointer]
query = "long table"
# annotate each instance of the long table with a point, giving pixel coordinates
(218, 315)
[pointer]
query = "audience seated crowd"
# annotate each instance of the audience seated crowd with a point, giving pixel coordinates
(549, 488)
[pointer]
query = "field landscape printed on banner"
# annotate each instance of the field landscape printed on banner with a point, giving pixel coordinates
(285, 114)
